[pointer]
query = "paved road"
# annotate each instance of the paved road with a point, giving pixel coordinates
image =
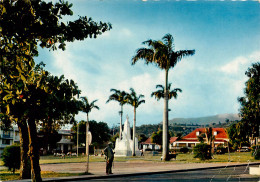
(209, 175)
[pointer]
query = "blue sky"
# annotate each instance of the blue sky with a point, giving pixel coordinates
(225, 35)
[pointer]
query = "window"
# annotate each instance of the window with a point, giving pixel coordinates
(6, 133)
(6, 142)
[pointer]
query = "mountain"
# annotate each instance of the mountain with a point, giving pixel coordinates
(206, 120)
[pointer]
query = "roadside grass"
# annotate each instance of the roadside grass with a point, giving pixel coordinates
(6, 175)
(233, 157)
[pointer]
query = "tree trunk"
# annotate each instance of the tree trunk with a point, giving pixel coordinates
(120, 132)
(34, 151)
(25, 168)
(165, 120)
(87, 144)
(134, 132)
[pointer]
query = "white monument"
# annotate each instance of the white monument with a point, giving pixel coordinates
(124, 147)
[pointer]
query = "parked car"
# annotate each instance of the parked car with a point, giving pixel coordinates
(244, 149)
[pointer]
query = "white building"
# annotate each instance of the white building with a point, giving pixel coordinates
(65, 144)
(8, 137)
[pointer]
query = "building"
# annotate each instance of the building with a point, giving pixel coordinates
(8, 137)
(172, 140)
(65, 144)
(149, 145)
(11, 136)
(191, 139)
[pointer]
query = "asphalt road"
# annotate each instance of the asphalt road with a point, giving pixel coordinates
(210, 175)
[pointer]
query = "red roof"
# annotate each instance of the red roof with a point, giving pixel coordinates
(221, 133)
(148, 141)
(173, 139)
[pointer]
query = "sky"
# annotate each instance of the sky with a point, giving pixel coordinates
(224, 34)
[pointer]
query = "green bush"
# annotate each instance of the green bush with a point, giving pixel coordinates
(148, 149)
(256, 152)
(184, 150)
(221, 149)
(202, 151)
(11, 157)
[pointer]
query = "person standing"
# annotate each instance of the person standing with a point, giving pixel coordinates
(109, 153)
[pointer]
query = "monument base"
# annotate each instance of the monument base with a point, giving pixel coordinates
(254, 170)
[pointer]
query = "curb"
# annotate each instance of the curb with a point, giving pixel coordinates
(89, 177)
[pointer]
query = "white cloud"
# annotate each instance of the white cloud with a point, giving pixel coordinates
(234, 66)
(239, 64)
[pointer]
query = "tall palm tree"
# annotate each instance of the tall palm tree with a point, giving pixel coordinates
(134, 101)
(160, 93)
(162, 54)
(210, 138)
(86, 107)
(119, 96)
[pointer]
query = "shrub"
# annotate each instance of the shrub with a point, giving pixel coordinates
(256, 152)
(148, 149)
(11, 157)
(202, 151)
(184, 150)
(221, 149)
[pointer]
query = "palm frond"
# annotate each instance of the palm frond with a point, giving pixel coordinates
(145, 54)
(160, 86)
(183, 53)
(168, 39)
(133, 99)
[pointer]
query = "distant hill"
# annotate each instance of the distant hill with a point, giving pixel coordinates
(206, 120)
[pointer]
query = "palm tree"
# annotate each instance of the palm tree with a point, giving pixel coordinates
(162, 54)
(160, 93)
(119, 96)
(210, 138)
(134, 101)
(86, 107)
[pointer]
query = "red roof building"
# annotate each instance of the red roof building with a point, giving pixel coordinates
(191, 139)
(147, 144)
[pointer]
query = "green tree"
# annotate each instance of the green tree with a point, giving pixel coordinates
(59, 106)
(157, 137)
(134, 100)
(99, 130)
(160, 92)
(201, 137)
(238, 134)
(210, 138)
(202, 151)
(87, 106)
(142, 138)
(11, 157)
(162, 54)
(121, 98)
(47, 105)
(250, 103)
(24, 26)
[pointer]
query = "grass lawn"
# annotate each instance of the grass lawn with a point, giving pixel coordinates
(181, 158)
